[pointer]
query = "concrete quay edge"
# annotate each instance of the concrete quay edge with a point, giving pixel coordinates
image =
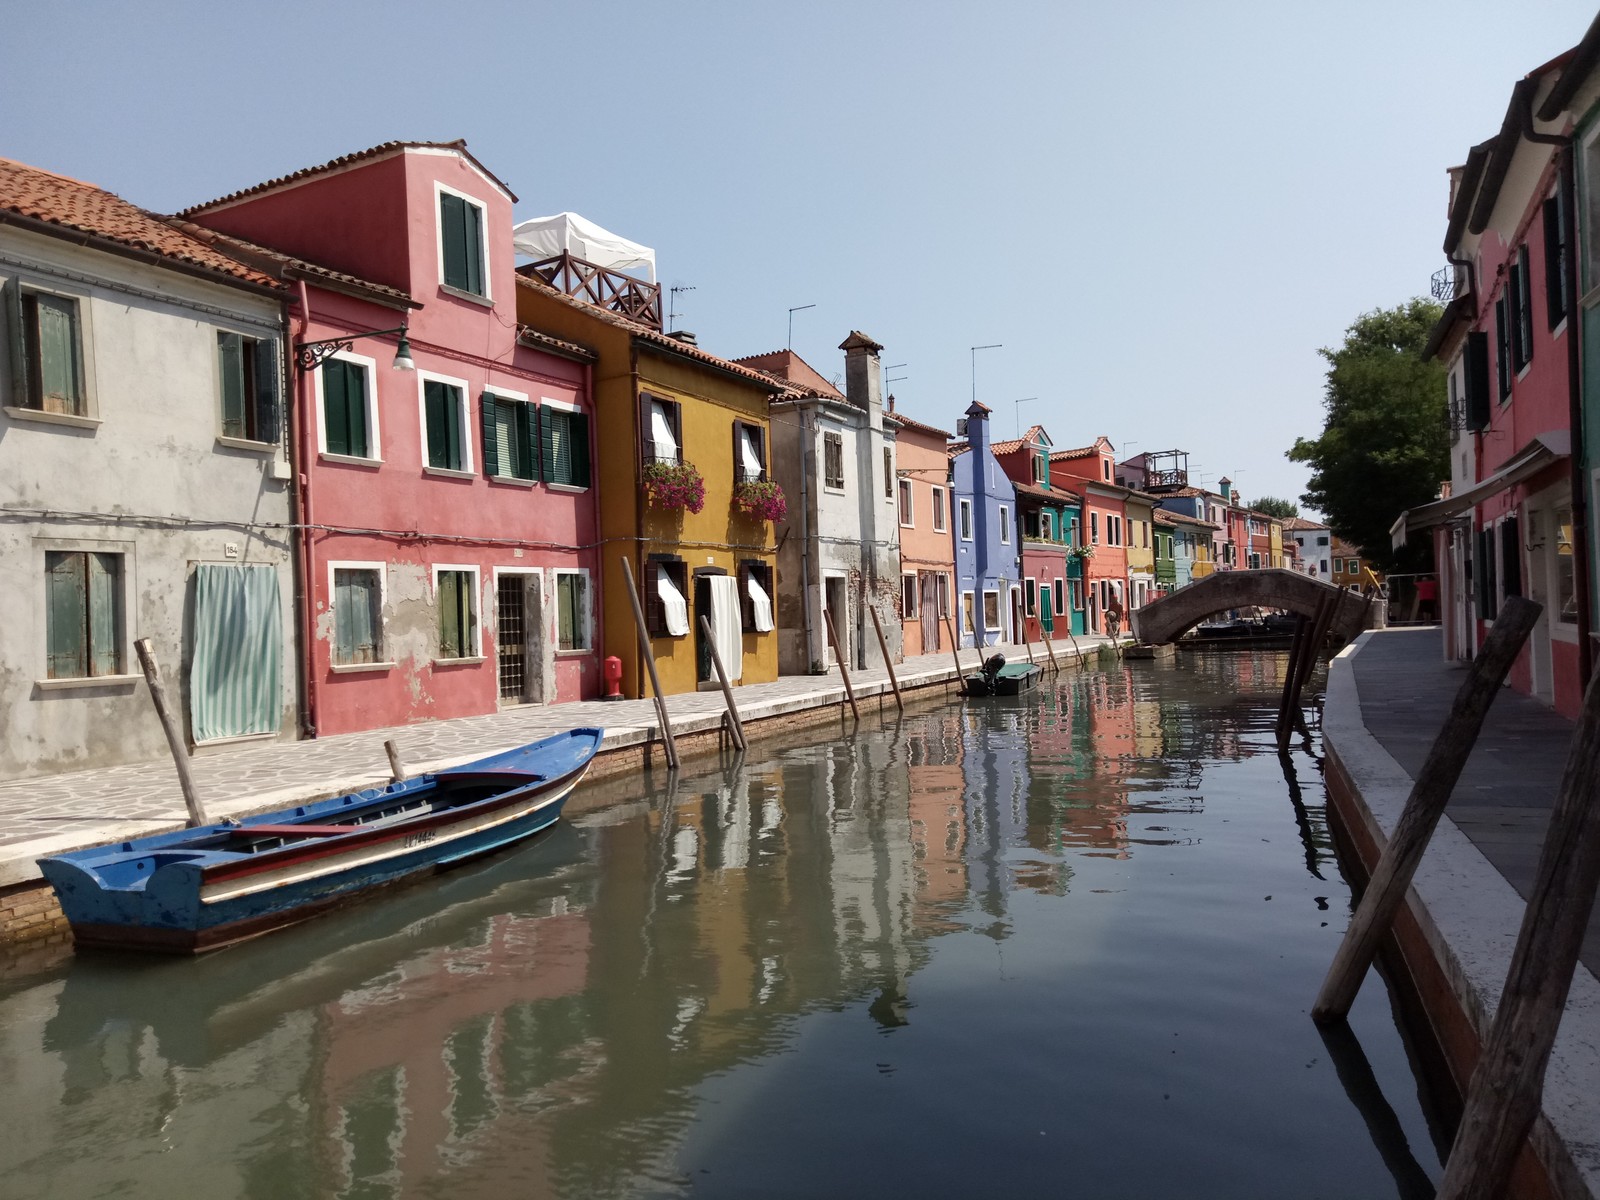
(1470, 917)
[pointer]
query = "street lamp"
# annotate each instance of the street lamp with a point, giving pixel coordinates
(309, 355)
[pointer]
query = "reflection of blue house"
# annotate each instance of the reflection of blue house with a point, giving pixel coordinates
(988, 543)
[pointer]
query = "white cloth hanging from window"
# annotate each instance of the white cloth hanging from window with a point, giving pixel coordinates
(673, 605)
(760, 605)
(749, 453)
(726, 625)
(661, 433)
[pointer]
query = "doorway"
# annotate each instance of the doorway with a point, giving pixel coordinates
(519, 618)
(836, 604)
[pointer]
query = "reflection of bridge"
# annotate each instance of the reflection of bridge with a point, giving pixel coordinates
(1167, 619)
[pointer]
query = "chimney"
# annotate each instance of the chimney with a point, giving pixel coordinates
(684, 336)
(863, 374)
(1225, 486)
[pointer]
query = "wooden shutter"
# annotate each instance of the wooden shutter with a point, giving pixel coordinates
(450, 639)
(1502, 347)
(578, 448)
(1477, 378)
(473, 233)
(453, 232)
(56, 323)
(1511, 557)
(1524, 286)
(269, 391)
(1555, 258)
(437, 403)
(230, 366)
(488, 414)
(747, 608)
(105, 657)
(655, 613)
(66, 601)
(527, 440)
(344, 405)
(547, 446)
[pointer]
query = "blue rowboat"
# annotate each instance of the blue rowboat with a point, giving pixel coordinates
(198, 889)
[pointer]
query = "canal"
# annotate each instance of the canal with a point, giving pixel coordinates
(1058, 945)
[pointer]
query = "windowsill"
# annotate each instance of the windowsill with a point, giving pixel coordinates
(903, 525)
(234, 443)
(837, 490)
(18, 413)
(469, 661)
(91, 681)
(351, 460)
(1560, 328)
(575, 653)
(512, 481)
(449, 473)
(463, 294)
(565, 487)
(359, 668)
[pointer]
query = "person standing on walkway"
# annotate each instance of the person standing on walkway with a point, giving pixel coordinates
(1428, 599)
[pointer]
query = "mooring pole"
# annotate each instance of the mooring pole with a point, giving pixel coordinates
(1386, 890)
(1055, 667)
(884, 646)
(844, 671)
(397, 769)
(169, 726)
(1281, 729)
(1503, 1097)
(955, 645)
(668, 745)
(735, 728)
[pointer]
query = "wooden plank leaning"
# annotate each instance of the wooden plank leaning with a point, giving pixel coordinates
(887, 661)
(1281, 729)
(1055, 667)
(397, 766)
(169, 726)
(844, 671)
(1504, 1095)
(1386, 890)
(735, 728)
(668, 745)
(955, 646)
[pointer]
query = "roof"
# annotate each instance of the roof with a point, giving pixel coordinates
(1080, 452)
(859, 341)
(382, 150)
(901, 419)
(538, 340)
(1295, 523)
(789, 367)
(56, 202)
(1006, 447)
(651, 338)
(1034, 491)
(957, 449)
(1165, 516)
(288, 267)
(1579, 62)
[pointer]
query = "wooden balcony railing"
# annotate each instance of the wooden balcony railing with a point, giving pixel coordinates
(602, 287)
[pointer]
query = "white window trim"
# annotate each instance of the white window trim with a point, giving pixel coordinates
(911, 578)
(439, 189)
(463, 414)
(910, 506)
(961, 612)
(1005, 525)
(90, 417)
(998, 615)
(568, 406)
(477, 611)
(374, 434)
(1030, 584)
(941, 502)
(554, 606)
(382, 568)
(500, 393)
(966, 518)
(840, 488)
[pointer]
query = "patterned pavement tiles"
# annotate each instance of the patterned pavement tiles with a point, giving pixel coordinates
(54, 813)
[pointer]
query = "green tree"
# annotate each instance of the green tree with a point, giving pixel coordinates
(1384, 445)
(1274, 507)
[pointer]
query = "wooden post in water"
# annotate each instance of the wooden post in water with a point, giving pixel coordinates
(397, 769)
(1386, 890)
(169, 726)
(734, 728)
(1303, 664)
(667, 743)
(955, 644)
(889, 665)
(844, 671)
(1503, 1097)
(1296, 646)
(1055, 667)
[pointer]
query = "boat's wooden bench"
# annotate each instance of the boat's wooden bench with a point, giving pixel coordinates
(293, 830)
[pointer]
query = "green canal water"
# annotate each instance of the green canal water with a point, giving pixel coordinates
(1059, 945)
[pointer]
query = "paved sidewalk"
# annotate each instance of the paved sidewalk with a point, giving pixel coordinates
(53, 813)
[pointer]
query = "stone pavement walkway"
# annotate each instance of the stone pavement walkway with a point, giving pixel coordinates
(54, 813)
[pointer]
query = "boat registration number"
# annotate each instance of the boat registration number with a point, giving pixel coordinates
(421, 838)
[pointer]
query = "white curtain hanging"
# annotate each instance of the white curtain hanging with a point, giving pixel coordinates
(760, 605)
(673, 604)
(726, 625)
(747, 448)
(661, 433)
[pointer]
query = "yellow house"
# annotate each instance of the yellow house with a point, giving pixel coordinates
(1275, 541)
(1141, 548)
(668, 414)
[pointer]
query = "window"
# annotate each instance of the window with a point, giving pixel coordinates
(1144, 535)
(1322, 541)
(755, 596)
(461, 246)
(444, 424)
(991, 610)
(509, 436)
(908, 597)
(1519, 313)
(908, 509)
(666, 607)
(455, 591)
(940, 499)
(357, 615)
(83, 614)
(1105, 469)
(1030, 597)
(1058, 597)
(1566, 588)
(662, 422)
(1005, 525)
(1555, 258)
(1046, 528)
(1502, 348)
(564, 442)
(966, 520)
(968, 614)
(247, 377)
(349, 414)
(833, 461)
(46, 335)
(749, 453)
(572, 611)
(944, 595)
(888, 473)
(1040, 471)
(1094, 528)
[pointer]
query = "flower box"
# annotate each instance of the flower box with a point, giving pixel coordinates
(670, 487)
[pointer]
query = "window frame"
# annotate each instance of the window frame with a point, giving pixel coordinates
(1030, 597)
(1058, 594)
(941, 500)
(469, 467)
(888, 474)
(832, 441)
(469, 653)
(507, 396)
(381, 571)
(655, 615)
(587, 613)
(19, 388)
(262, 413)
(741, 473)
(369, 367)
(120, 633)
(1005, 524)
(583, 436)
(761, 572)
(987, 593)
(440, 190)
(908, 595)
(965, 508)
(907, 504)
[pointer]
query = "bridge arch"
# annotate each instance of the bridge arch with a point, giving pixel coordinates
(1169, 618)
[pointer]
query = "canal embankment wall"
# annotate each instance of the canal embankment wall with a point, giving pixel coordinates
(53, 815)
(1456, 935)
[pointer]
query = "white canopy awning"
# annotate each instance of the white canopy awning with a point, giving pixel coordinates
(545, 237)
(1526, 463)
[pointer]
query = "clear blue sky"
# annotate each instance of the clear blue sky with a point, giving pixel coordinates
(1161, 210)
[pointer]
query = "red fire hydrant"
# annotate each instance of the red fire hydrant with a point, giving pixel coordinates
(612, 671)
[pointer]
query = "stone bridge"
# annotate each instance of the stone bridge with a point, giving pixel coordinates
(1168, 619)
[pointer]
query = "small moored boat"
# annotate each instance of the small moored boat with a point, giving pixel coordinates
(999, 678)
(198, 889)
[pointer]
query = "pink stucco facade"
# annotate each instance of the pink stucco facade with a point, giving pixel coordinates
(927, 552)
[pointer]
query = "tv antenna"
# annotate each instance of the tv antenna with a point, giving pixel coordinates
(672, 304)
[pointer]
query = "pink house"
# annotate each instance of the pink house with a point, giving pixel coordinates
(442, 451)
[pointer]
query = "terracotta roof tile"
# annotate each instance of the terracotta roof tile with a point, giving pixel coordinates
(540, 340)
(51, 199)
(901, 419)
(957, 449)
(1294, 523)
(1080, 452)
(287, 266)
(789, 367)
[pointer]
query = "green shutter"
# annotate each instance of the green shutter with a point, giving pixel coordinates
(105, 657)
(436, 407)
(568, 596)
(66, 600)
(355, 598)
(335, 405)
(549, 436)
(453, 230)
(269, 389)
(578, 449)
(58, 352)
(526, 435)
(230, 365)
(473, 222)
(487, 409)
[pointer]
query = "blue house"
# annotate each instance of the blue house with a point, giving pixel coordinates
(988, 542)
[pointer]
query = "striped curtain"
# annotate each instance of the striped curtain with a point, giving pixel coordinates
(238, 652)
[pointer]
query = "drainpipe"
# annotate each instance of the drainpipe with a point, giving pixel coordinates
(594, 525)
(306, 409)
(638, 499)
(808, 464)
(1566, 181)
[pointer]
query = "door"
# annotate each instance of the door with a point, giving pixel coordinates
(702, 648)
(519, 648)
(836, 604)
(236, 669)
(928, 607)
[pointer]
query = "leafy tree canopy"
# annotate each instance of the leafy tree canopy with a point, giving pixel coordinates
(1274, 507)
(1384, 445)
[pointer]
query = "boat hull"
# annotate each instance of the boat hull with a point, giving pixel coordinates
(1012, 680)
(186, 892)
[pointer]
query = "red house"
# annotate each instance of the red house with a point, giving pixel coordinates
(442, 451)
(1089, 472)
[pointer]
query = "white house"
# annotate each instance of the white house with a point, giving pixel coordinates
(1315, 542)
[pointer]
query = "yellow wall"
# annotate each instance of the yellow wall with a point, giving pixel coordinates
(711, 402)
(1275, 543)
(1141, 543)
